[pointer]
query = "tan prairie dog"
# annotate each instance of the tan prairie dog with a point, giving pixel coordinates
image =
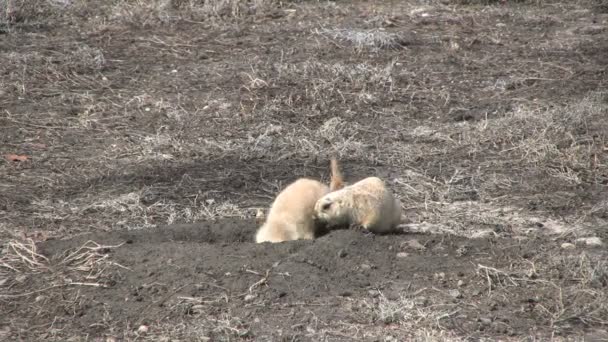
(367, 203)
(291, 214)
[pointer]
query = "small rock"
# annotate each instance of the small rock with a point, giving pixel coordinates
(365, 267)
(567, 245)
(3, 281)
(480, 234)
(373, 293)
(413, 244)
(198, 308)
(593, 241)
(342, 253)
(460, 283)
(21, 278)
(439, 276)
(249, 297)
(484, 321)
(39, 298)
(143, 329)
(455, 293)
(402, 255)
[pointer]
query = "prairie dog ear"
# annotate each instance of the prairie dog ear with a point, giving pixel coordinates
(259, 216)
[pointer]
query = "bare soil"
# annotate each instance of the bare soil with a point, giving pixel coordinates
(138, 139)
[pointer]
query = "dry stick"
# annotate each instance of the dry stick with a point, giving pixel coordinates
(90, 249)
(259, 282)
(487, 269)
(87, 284)
(19, 250)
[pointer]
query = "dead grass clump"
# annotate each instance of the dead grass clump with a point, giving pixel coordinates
(558, 138)
(149, 13)
(360, 75)
(573, 287)
(323, 86)
(413, 314)
(129, 211)
(306, 143)
(581, 297)
(143, 13)
(84, 266)
(27, 72)
(19, 12)
(22, 257)
(207, 210)
(33, 286)
(374, 39)
(523, 153)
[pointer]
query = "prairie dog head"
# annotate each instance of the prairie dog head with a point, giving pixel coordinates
(331, 209)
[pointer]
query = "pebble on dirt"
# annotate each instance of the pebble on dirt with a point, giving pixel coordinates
(568, 245)
(589, 241)
(413, 244)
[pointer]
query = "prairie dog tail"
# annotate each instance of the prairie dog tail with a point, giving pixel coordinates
(337, 181)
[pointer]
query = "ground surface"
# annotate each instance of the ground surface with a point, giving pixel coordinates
(140, 137)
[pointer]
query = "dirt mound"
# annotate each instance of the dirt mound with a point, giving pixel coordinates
(345, 285)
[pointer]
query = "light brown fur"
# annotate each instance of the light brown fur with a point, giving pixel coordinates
(367, 203)
(291, 214)
(337, 181)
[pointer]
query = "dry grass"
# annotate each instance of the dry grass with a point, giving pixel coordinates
(375, 39)
(572, 287)
(84, 266)
(20, 13)
(31, 279)
(124, 114)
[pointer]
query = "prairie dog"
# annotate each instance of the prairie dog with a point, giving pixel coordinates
(291, 214)
(367, 203)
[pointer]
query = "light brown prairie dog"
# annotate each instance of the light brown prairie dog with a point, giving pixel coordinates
(367, 203)
(291, 214)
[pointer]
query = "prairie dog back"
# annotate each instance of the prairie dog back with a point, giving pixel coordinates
(291, 214)
(368, 203)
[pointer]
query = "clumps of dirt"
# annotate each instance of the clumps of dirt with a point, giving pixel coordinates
(210, 279)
